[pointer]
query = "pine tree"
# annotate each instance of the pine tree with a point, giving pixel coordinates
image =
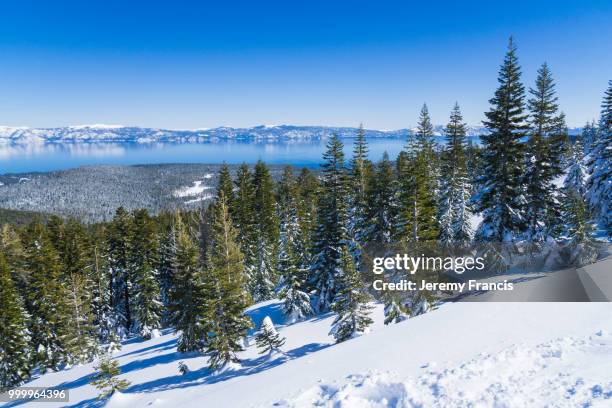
(12, 248)
(599, 163)
(14, 334)
(501, 198)
(350, 303)
(581, 248)
(106, 379)
(245, 221)
(265, 275)
(225, 185)
(46, 301)
(225, 265)
(268, 340)
(359, 176)
(331, 237)
(543, 158)
(576, 172)
(454, 202)
(418, 168)
(74, 251)
(296, 304)
(382, 203)
(143, 261)
(589, 136)
(101, 294)
(119, 244)
(189, 301)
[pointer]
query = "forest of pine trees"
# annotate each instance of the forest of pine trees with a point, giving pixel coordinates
(71, 291)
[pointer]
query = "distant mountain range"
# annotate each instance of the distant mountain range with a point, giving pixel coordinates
(264, 133)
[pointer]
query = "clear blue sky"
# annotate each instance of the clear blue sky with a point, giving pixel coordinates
(180, 64)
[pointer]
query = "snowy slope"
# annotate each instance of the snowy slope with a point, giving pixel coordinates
(494, 352)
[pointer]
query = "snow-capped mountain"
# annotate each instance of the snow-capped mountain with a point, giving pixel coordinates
(129, 134)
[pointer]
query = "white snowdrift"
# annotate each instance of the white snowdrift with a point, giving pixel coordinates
(564, 372)
(504, 354)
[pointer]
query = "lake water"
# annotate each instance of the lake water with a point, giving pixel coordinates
(47, 157)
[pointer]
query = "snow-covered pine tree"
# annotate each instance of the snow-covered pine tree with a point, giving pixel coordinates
(189, 302)
(46, 301)
(14, 335)
(119, 243)
(74, 251)
(225, 265)
(589, 136)
(265, 274)
(101, 294)
(501, 197)
(579, 229)
(307, 215)
(351, 302)
(599, 163)
(543, 159)
(167, 261)
(394, 311)
(454, 202)
(105, 378)
(360, 169)
(419, 184)
(144, 259)
(244, 220)
(296, 304)
(268, 340)
(576, 171)
(382, 203)
(331, 236)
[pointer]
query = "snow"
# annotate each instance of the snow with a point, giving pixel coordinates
(563, 372)
(195, 190)
(486, 353)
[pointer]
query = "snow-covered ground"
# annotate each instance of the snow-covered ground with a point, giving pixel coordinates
(463, 354)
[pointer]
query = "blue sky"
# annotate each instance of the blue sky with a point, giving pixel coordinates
(187, 64)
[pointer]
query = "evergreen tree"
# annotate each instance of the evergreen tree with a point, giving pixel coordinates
(74, 250)
(12, 248)
(14, 335)
(576, 172)
(245, 221)
(266, 224)
(454, 202)
(581, 248)
(101, 294)
(307, 215)
(331, 237)
(268, 340)
(350, 303)
(543, 158)
(47, 301)
(225, 185)
(119, 244)
(225, 265)
(501, 198)
(589, 136)
(382, 203)
(143, 261)
(291, 268)
(599, 163)
(418, 168)
(189, 301)
(106, 379)
(359, 175)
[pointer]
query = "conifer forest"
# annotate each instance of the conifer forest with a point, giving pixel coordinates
(72, 290)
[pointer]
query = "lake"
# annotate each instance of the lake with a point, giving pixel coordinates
(55, 156)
